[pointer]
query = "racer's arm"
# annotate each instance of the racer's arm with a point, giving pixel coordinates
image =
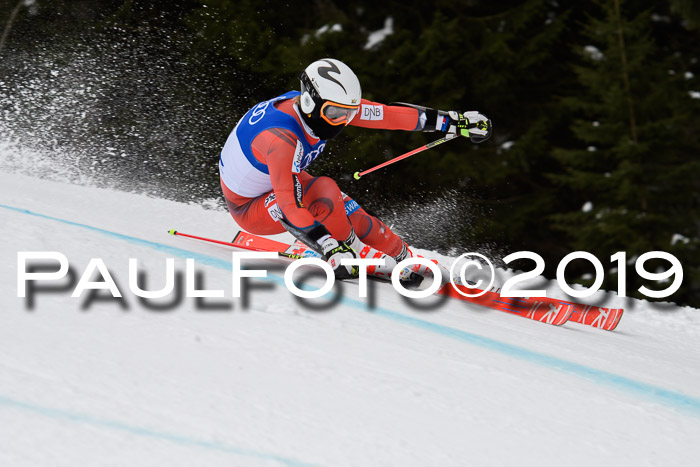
(276, 147)
(410, 117)
(387, 117)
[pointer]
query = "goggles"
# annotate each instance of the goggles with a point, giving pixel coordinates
(338, 114)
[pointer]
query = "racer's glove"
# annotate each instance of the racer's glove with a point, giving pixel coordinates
(473, 125)
(333, 252)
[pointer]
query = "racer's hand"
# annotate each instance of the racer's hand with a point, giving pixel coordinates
(473, 125)
(333, 252)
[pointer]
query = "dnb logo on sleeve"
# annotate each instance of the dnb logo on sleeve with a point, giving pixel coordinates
(372, 112)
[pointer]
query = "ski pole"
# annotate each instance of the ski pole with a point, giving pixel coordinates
(432, 144)
(242, 246)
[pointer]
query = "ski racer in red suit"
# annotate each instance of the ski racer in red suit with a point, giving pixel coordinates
(263, 165)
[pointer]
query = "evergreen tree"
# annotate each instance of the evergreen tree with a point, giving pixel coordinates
(631, 176)
(689, 10)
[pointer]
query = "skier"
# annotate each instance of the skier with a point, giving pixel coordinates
(263, 165)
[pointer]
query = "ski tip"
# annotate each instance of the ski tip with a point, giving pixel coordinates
(356, 175)
(172, 231)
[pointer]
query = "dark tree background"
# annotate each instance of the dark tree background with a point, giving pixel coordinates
(595, 106)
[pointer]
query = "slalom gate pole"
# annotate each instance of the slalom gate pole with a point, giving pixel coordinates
(219, 242)
(432, 144)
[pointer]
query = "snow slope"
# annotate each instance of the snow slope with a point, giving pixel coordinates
(274, 382)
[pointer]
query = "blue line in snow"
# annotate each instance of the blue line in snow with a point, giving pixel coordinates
(140, 431)
(136, 430)
(200, 258)
(673, 399)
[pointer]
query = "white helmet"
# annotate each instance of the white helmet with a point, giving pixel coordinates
(330, 93)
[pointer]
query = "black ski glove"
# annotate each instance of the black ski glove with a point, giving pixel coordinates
(333, 252)
(473, 125)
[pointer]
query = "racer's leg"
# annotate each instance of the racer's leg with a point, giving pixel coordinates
(258, 215)
(330, 206)
(374, 232)
(341, 214)
(322, 198)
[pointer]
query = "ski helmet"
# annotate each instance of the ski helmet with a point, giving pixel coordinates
(330, 97)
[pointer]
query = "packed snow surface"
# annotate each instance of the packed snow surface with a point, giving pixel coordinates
(272, 381)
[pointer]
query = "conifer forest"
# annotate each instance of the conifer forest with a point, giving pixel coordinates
(595, 107)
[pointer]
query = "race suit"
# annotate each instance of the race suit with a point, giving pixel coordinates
(263, 173)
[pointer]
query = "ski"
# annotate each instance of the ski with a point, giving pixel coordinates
(263, 244)
(597, 317)
(543, 309)
(251, 241)
(547, 310)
